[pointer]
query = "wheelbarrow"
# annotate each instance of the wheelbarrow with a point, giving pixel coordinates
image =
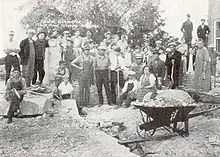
(167, 118)
(163, 118)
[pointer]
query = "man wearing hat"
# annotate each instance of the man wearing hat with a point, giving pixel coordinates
(187, 28)
(101, 65)
(12, 58)
(173, 61)
(116, 66)
(40, 47)
(203, 32)
(108, 39)
(138, 65)
(27, 54)
(86, 76)
(158, 68)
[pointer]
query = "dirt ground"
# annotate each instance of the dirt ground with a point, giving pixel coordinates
(59, 136)
(203, 141)
(64, 135)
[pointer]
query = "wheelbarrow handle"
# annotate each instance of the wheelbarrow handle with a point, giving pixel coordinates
(191, 115)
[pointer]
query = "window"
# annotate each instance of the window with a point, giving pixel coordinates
(217, 35)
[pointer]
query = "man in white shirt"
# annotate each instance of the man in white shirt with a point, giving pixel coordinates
(12, 58)
(116, 72)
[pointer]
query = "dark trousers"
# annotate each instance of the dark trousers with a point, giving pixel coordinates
(175, 75)
(84, 93)
(102, 78)
(11, 61)
(114, 81)
(127, 98)
(38, 68)
(14, 105)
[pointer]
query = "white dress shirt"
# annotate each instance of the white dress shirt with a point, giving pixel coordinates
(117, 61)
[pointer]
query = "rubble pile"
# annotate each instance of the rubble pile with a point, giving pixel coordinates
(112, 128)
(167, 98)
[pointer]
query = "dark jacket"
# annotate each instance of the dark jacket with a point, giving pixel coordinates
(187, 29)
(25, 51)
(177, 60)
(40, 46)
(157, 66)
(176, 68)
(202, 32)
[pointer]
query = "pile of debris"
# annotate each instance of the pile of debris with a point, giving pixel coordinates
(167, 98)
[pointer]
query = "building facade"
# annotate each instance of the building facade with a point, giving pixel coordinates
(214, 23)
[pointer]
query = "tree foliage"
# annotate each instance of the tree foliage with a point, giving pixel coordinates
(130, 14)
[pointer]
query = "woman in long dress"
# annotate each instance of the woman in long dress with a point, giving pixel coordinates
(202, 77)
(52, 58)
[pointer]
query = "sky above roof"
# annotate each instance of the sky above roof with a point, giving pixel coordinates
(175, 13)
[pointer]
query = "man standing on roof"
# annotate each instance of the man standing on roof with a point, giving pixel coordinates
(203, 32)
(187, 29)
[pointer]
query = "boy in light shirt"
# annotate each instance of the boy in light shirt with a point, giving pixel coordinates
(129, 91)
(65, 89)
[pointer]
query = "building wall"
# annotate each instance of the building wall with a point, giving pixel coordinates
(214, 15)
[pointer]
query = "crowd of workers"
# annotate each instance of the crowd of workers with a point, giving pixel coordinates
(127, 70)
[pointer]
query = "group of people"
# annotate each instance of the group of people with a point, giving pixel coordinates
(22, 65)
(127, 72)
(203, 59)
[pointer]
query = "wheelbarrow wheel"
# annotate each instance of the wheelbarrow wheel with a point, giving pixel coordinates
(142, 132)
